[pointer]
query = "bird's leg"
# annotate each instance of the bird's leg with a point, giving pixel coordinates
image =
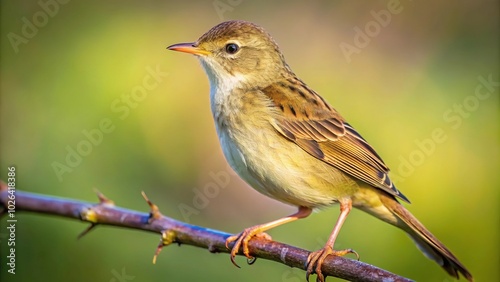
(315, 259)
(242, 239)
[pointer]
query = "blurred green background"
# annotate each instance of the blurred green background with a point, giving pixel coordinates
(77, 65)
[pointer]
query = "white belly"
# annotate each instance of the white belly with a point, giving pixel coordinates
(237, 161)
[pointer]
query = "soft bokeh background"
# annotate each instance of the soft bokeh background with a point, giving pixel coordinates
(408, 81)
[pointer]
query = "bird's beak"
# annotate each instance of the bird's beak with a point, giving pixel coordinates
(188, 48)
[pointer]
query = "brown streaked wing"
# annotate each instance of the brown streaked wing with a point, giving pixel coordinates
(319, 130)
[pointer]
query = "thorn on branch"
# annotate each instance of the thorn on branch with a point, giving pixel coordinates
(154, 211)
(103, 199)
(86, 231)
(167, 238)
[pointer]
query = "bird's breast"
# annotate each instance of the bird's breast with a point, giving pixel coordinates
(266, 160)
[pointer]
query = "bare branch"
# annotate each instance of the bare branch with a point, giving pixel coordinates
(174, 231)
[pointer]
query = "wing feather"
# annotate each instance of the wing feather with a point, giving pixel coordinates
(320, 130)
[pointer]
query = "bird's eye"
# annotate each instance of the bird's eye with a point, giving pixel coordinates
(232, 48)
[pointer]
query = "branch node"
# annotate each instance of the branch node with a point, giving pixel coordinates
(213, 249)
(167, 238)
(88, 214)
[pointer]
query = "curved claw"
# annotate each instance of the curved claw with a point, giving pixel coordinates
(351, 251)
(251, 261)
(236, 247)
(242, 240)
(230, 239)
(316, 259)
(234, 262)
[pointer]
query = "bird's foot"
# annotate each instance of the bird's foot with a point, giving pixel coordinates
(242, 239)
(315, 260)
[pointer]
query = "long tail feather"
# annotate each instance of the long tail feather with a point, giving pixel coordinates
(425, 241)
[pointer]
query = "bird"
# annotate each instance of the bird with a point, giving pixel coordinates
(288, 143)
